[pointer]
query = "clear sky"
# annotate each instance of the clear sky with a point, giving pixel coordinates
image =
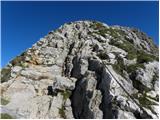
(24, 23)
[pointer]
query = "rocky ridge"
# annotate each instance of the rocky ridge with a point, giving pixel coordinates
(84, 69)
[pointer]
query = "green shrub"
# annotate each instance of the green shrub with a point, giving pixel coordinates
(62, 112)
(5, 74)
(140, 87)
(140, 55)
(154, 98)
(143, 57)
(133, 67)
(153, 47)
(4, 101)
(126, 46)
(102, 30)
(102, 55)
(115, 33)
(17, 61)
(131, 56)
(6, 116)
(143, 100)
(66, 94)
(97, 25)
(119, 66)
(154, 79)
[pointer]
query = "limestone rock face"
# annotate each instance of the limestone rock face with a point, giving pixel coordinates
(84, 70)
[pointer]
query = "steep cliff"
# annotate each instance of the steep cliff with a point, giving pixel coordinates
(84, 69)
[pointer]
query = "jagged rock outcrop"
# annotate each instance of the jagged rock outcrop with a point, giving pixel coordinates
(84, 69)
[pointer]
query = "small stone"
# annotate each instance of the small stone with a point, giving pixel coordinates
(111, 56)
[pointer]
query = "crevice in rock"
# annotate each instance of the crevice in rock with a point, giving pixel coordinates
(67, 63)
(80, 101)
(81, 97)
(103, 84)
(75, 72)
(66, 69)
(71, 47)
(143, 115)
(52, 92)
(50, 104)
(137, 114)
(75, 112)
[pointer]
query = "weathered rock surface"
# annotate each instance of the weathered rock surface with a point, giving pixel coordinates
(84, 69)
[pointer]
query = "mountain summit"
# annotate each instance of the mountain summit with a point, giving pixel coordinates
(84, 69)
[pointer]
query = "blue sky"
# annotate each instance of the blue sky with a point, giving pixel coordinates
(24, 23)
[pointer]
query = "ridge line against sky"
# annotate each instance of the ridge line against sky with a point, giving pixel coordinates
(35, 19)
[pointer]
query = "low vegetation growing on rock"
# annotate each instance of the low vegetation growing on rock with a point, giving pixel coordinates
(6, 116)
(4, 101)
